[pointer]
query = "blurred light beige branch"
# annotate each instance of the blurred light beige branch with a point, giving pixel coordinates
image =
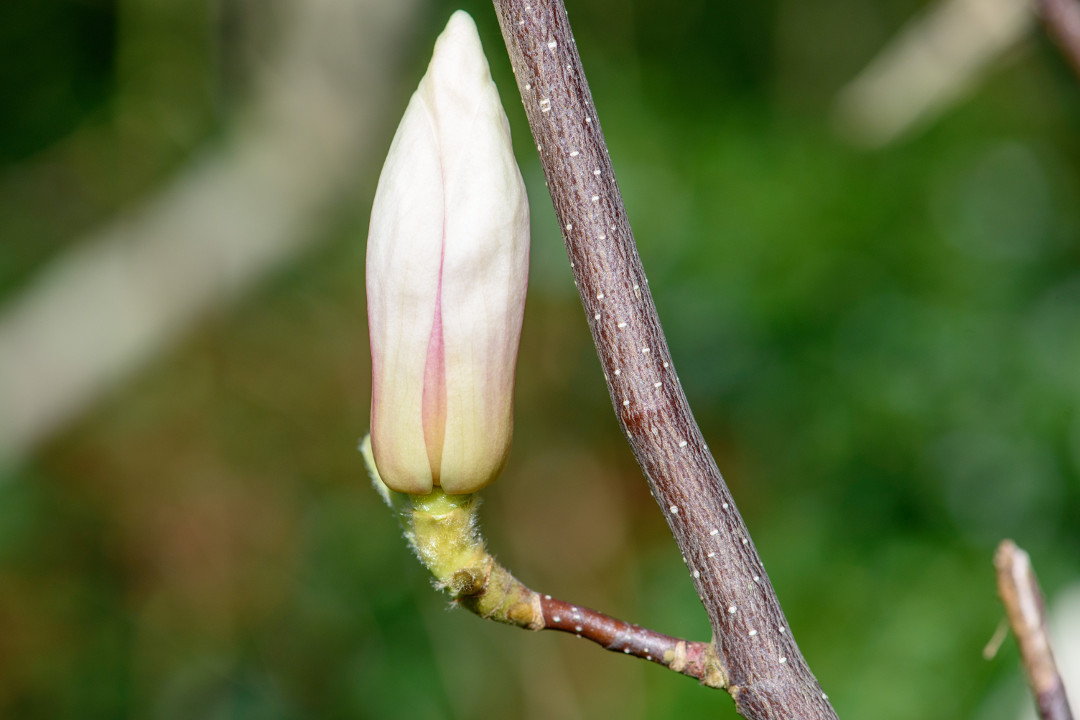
(1022, 597)
(1063, 625)
(930, 65)
(231, 216)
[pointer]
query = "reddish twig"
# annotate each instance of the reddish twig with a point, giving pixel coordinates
(444, 533)
(767, 675)
(1062, 21)
(695, 659)
(1023, 602)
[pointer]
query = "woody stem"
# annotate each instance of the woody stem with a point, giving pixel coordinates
(767, 675)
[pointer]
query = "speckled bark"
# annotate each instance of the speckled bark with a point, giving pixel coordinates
(767, 675)
(696, 659)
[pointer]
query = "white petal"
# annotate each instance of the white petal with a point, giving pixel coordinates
(485, 265)
(451, 223)
(403, 262)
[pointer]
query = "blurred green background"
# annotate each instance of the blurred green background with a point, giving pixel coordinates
(882, 346)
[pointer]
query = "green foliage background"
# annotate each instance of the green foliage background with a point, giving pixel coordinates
(882, 348)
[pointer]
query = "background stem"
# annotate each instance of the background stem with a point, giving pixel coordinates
(767, 675)
(1023, 601)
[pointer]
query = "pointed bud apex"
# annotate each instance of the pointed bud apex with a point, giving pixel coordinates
(447, 267)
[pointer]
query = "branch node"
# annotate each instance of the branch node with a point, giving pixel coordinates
(676, 658)
(713, 675)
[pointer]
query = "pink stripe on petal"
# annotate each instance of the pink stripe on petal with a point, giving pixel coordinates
(434, 402)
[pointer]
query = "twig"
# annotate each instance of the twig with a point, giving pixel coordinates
(1019, 590)
(695, 659)
(1062, 21)
(444, 533)
(767, 675)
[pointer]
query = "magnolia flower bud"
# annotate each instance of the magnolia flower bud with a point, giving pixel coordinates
(447, 267)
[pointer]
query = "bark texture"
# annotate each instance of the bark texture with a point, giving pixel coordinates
(765, 672)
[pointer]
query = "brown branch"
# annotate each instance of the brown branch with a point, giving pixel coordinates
(1019, 590)
(767, 675)
(493, 593)
(695, 659)
(1062, 21)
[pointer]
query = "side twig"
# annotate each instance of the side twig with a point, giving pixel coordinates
(767, 675)
(1019, 590)
(695, 659)
(444, 532)
(1062, 21)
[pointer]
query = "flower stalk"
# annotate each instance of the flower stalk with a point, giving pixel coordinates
(444, 533)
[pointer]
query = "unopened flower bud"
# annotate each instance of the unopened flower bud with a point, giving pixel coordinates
(447, 268)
